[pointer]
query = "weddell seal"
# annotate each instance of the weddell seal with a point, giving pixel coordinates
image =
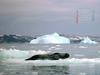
(52, 56)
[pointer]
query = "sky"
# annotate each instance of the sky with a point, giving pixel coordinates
(38, 17)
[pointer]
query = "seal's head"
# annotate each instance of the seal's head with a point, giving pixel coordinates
(64, 55)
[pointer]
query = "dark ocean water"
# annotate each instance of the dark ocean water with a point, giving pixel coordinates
(84, 59)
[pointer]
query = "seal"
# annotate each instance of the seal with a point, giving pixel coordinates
(52, 56)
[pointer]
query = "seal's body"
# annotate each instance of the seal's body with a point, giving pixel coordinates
(53, 56)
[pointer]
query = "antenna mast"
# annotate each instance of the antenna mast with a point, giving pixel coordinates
(77, 16)
(93, 16)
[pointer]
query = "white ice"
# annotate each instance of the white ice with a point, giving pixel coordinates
(53, 38)
(19, 54)
(87, 40)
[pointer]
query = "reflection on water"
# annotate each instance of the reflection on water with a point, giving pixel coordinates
(29, 69)
(51, 70)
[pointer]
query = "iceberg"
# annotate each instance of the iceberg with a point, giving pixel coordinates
(88, 41)
(53, 38)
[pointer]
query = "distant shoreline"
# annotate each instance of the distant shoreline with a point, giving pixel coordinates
(26, 39)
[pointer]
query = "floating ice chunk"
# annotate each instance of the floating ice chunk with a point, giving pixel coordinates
(54, 38)
(82, 74)
(60, 62)
(83, 47)
(88, 41)
(19, 54)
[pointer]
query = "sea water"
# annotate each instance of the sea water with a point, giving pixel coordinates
(84, 59)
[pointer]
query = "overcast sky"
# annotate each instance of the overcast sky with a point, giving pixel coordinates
(38, 17)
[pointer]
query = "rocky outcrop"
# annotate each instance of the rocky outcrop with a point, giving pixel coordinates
(14, 39)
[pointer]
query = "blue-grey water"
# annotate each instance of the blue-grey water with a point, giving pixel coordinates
(84, 59)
